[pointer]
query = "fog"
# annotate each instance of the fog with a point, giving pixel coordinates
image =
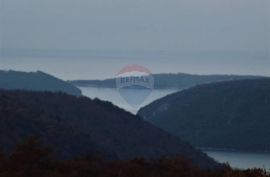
(95, 38)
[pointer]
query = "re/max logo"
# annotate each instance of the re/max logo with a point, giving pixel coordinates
(135, 79)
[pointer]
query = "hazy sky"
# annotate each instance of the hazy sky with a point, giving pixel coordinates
(232, 36)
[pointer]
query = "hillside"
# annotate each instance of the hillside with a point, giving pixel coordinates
(30, 159)
(167, 81)
(35, 81)
(231, 115)
(78, 126)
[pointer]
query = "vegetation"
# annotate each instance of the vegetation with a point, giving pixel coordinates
(78, 126)
(35, 81)
(31, 160)
(167, 81)
(225, 115)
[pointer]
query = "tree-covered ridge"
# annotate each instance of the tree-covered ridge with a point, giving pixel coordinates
(29, 159)
(79, 126)
(226, 115)
(167, 81)
(35, 81)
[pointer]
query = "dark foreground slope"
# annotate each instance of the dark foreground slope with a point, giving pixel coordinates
(35, 81)
(167, 81)
(78, 126)
(226, 115)
(32, 160)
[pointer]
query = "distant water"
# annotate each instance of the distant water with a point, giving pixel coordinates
(113, 96)
(239, 160)
(242, 160)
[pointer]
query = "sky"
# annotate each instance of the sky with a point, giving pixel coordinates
(95, 38)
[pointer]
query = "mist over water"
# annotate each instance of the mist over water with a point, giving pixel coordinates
(112, 95)
(241, 160)
(94, 39)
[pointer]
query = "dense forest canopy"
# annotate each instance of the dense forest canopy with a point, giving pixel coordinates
(232, 115)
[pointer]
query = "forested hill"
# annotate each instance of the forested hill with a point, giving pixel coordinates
(79, 126)
(35, 81)
(167, 81)
(231, 115)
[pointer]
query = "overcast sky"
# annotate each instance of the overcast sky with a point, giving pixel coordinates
(177, 26)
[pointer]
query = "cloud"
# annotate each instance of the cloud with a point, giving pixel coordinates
(186, 25)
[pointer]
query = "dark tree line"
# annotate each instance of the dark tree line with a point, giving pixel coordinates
(31, 160)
